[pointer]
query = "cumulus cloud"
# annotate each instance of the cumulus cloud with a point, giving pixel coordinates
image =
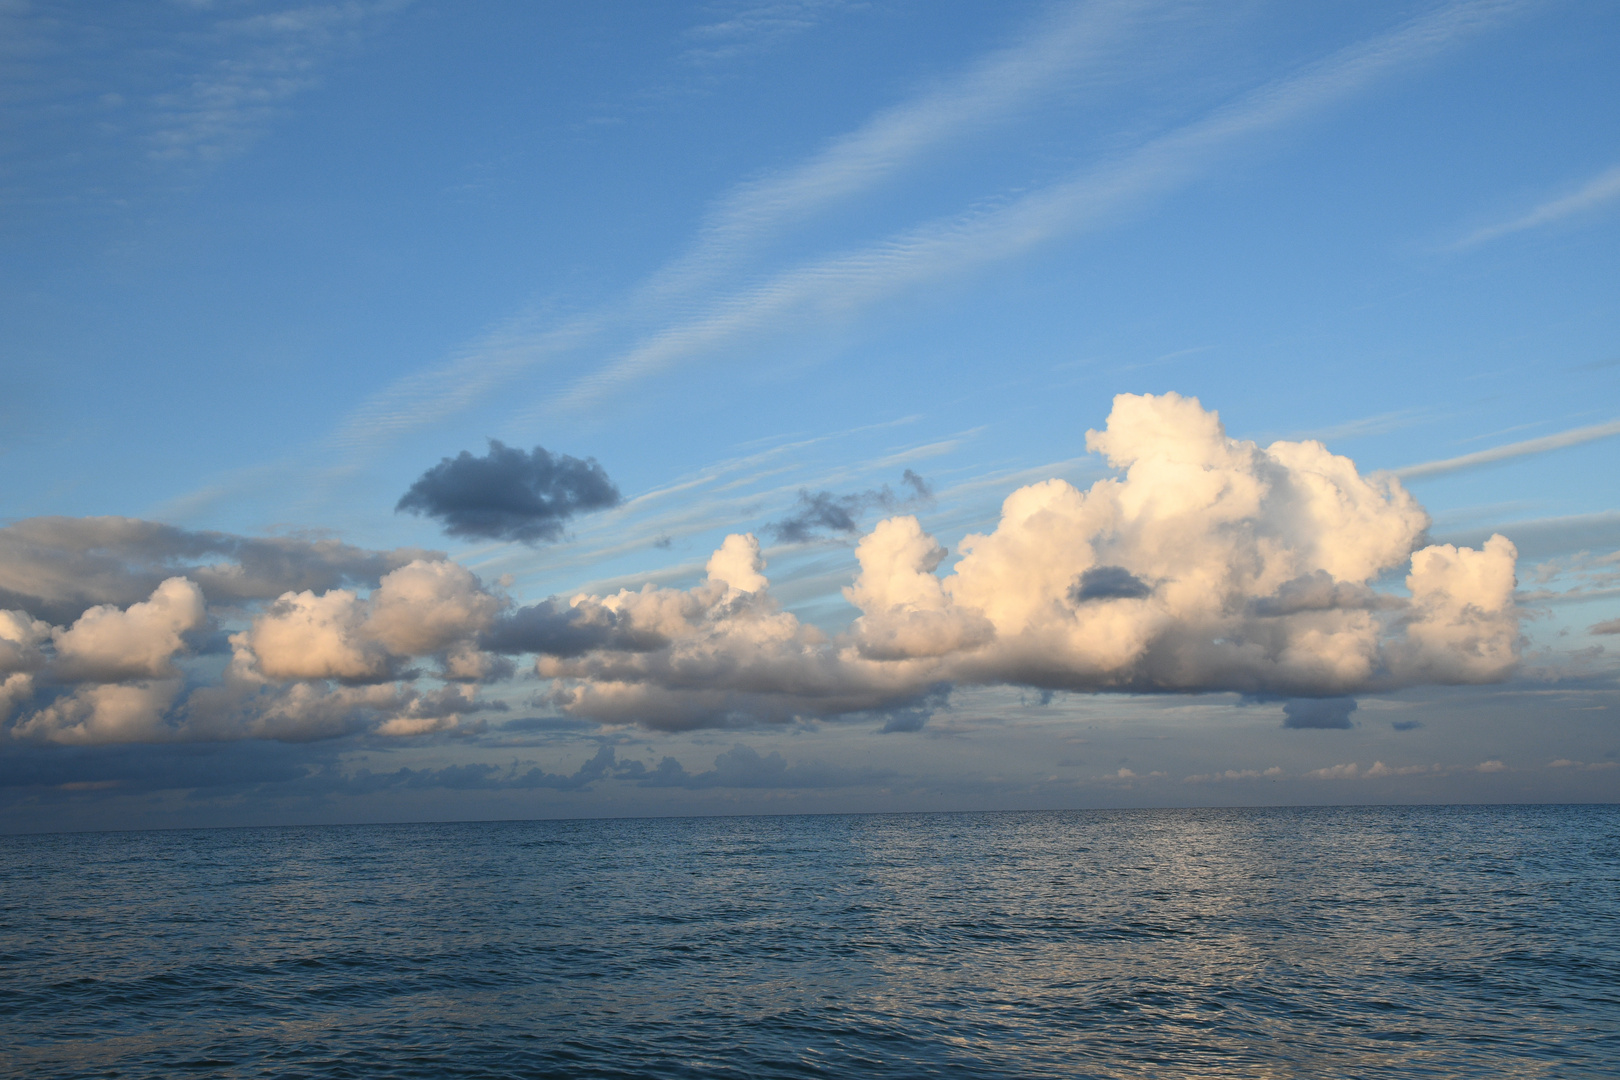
(823, 511)
(425, 607)
(509, 494)
(101, 713)
(118, 673)
(1208, 564)
(1235, 774)
(107, 644)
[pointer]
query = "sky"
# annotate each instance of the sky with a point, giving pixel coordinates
(415, 411)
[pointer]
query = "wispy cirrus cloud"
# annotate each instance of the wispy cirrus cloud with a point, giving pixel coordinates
(752, 28)
(1598, 191)
(105, 93)
(1053, 51)
(1524, 448)
(1071, 40)
(837, 285)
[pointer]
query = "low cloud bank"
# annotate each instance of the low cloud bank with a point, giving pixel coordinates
(1209, 564)
(1206, 564)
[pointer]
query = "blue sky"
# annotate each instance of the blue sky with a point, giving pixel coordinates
(268, 264)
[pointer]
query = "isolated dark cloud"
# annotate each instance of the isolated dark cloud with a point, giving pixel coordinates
(554, 628)
(509, 494)
(55, 568)
(1318, 713)
(1108, 583)
(823, 511)
(909, 716)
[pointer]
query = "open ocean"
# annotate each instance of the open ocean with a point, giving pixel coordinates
(1343, 942)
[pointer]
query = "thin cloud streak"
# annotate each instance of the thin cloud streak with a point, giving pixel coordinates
(1573, 437)
(851, 281)
(1600, 189)
(997, 85)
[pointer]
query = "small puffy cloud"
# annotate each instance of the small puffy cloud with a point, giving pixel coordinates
(738, 565)
(1336, 772)
(21, 640)
(104, 713)
(1379, 769)
(726, 655)
(509, 494)
(106, 644)
(308, 636)
(15, 689)
(1318, 713)
(1466, 625)
(823, 511)
(427, 607)
(1236, 774)
(1490, 766)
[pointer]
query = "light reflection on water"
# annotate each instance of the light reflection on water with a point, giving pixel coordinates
(1395, 942)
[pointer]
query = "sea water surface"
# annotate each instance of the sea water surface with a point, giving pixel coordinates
(1345, 942)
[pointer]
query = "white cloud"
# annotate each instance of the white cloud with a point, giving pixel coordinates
(422, 608)
(1205, 563)
(1348, 771)
(106, 644)
(1210, 564)
(1235, 774)
(1542, 445)
(103, 713)
(1379, 769)
(838, 284)
(1601, 189)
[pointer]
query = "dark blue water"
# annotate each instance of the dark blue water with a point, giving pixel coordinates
(1360, 942)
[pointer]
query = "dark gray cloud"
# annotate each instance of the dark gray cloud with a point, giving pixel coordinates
(509, 494)
(1406, 725)
(1108, 583)
(1610, 627)
(56, 567)
(1319, 591)
(556, 629)
(823, 511)
(1318, 713)
(912, 715)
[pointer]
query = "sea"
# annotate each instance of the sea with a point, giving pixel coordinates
(1322, 942)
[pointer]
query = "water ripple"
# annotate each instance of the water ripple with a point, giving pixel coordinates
(1392, 942)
